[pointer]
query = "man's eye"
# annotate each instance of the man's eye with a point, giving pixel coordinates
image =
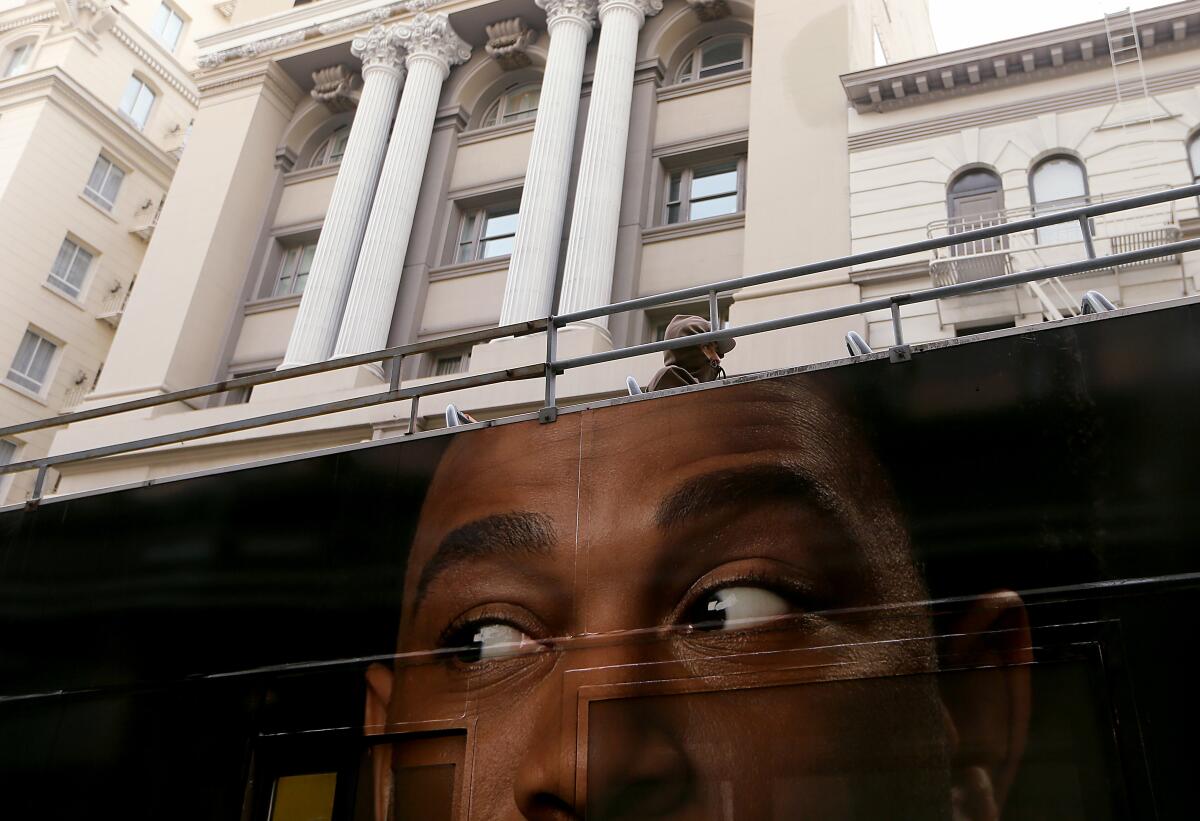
(490, 640)
(733, 608)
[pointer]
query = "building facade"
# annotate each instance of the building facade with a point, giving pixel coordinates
(558, 155)
(95, 105)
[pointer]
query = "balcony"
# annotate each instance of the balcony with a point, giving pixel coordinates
(113, 306)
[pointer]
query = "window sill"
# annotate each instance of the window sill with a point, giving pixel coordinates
(733, 78)
(63, 295)
(470, 269)
(272, 303)
(712, 225)
(106, 212)
(28, 394)
(317, 172)
(494, 132)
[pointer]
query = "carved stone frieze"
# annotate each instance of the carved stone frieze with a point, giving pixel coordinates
(708, 10)
(585, 10)
(431, 35)
(508, 43)
(337, 87)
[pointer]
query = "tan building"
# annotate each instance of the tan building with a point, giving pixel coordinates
(563, 154)
(95, 106)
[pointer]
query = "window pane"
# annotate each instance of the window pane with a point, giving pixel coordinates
(25, 351)
(447, 365)
(283, 285)
(491, 116)
(497, 248)
(685, 71)
(713, 181)
(170, 36)
(1194, 153)
(714, 208)
(522, 104)
(338, 143)
(62, 262)
(673, 190)
(306, 258)
(19, 60)
(468, 229)
(99, 170)
(113, 184)
(79, 269)
(41, 360)
(129, 98)
(141, 109)
(160, 19)
(1058, 179)
(500, 224)
(304, 797)
(7, 451)
(673, 214)
(722, 51)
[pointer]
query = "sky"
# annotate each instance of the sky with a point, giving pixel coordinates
(965, 23)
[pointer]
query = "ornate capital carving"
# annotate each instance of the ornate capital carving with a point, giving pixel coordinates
(508, 43)
(708, 10)
(585, 11)
(335, 86)
(378, 47)
(431, 35)
(644, 8)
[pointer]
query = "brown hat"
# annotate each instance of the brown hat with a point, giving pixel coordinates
(687, 325)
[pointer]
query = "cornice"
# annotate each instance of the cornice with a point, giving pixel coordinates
(890, 273)
(317, 172)
(29, 19)
(1096, 95)
(712, 225)
(1019, 60)
(169, 69)
(495, 132)
(469, 269)
(264, 72)
(733, 78)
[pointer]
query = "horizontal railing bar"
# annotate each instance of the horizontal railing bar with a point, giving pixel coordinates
(699, 291)
(518, 329)
(882, 303)
(238, 425)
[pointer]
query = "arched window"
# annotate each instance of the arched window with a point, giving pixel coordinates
(515, 105)
(331, 149)
(716, 55)
(975, 199)
(1056, 183)
(17, 58)
(1194, 156)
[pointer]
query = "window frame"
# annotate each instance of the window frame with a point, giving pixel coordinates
(497, 114)
(1063, 233)
(693, 60)
(687, 176)
(172, 12)
(47, 377)
(434, 360)
(22, 49)
(61, 281)
(144, 86)
(323, 155)
(13, 456)
(477, 219)
(97, 195)
(287, 249)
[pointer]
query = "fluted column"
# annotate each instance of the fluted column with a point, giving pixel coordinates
(433, 47)
(592, 247)
(328, 284)
(529, 289)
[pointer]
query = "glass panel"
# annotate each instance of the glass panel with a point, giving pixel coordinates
(141, 109)
(113, 184)
(19, 60)
(712, 181)
(491, 115)
(497, 248)
(714, 207)
(170, 35)
(304, 797)
(306, 258)
(284, 285)
(1059, 182)
(25, 350)
(338, 149)
(7, 451)
(129, 98)
(500, 224)
(160, 18)
(468, 229)
(79, 269)
(42, 357)
(685, 71)
(62, 262)
(447, 365)
(721, 52)
(673, 214)
(96, 178)
(673, 190)
(522, 105)
(1194, 154)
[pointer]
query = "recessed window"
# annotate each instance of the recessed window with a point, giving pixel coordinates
(18, 59)
(705, 191)
(31, 366)
(449, 365)
(167, 26)
(70, 268)
(293, 270)
(332, 148)
(715, 56)
(137, 102)
(487, 233)
(515, 105)
(104, 183)
(240, 396)
(1058, 183)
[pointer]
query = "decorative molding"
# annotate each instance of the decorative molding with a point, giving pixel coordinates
(378, 48)
(508, 43)
(712, 225)
(710, 10)
(253, 49)
(269, 304)
(316, 172)
(226, 8)
(584, 11)
(336, 87)
(156, 65)
(890, 273)
(979, 117)
(354, 21)
(733, 78)
(475, 268)
(495, 132)
(285, 159)
(644, 8)
(730, 139)
(25, 21)
(431, 36)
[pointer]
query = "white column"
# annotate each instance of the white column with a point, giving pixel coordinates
(433, 47)
(592, 248)
(332, 269)
(529, 289)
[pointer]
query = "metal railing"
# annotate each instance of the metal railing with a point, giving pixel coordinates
(552, 367)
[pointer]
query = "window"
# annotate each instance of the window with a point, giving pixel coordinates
(487, 233)
(332, 149)
(1057, 183)
(1194, 156)
(515, 105)
(974, 200)
(31, 365)
(705, 191)
(714, 56)
(136, 102)
(8, 455)
(104, 183)
(657, 319)
(240, 396)
(293, 271)
(19, 58)
(70, 268)
(449, 365)
(167, 26)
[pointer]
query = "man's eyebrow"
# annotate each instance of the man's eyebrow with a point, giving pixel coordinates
(504, 534)
(740, 487)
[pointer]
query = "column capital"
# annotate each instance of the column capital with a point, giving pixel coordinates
(378, 48)
(578, 11)
(431, 36)
(642, 8)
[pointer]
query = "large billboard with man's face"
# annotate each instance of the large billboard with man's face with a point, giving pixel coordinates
(958, 587)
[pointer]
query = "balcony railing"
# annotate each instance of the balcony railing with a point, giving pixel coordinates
(1024, 250)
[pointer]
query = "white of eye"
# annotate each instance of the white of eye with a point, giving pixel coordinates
(501, 641)
(737, 606)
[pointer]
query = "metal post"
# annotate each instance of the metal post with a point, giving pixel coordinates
(896, 327)
(550, 412)
(714, 312)
(394, 385)
(412, 416)
(899, 352)
(39, 483)
(1086, 228)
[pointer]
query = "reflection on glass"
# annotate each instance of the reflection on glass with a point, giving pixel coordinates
(304, 797)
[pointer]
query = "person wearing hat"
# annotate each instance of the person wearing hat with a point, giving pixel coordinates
(691, 365)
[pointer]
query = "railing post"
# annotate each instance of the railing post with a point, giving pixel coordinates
(412, 416)
(899, 352)
(394, 384)
(549, 413)
(714, 312)
(1086, 229)
(39, 484)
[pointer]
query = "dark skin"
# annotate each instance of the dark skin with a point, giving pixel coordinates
(722, 579)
